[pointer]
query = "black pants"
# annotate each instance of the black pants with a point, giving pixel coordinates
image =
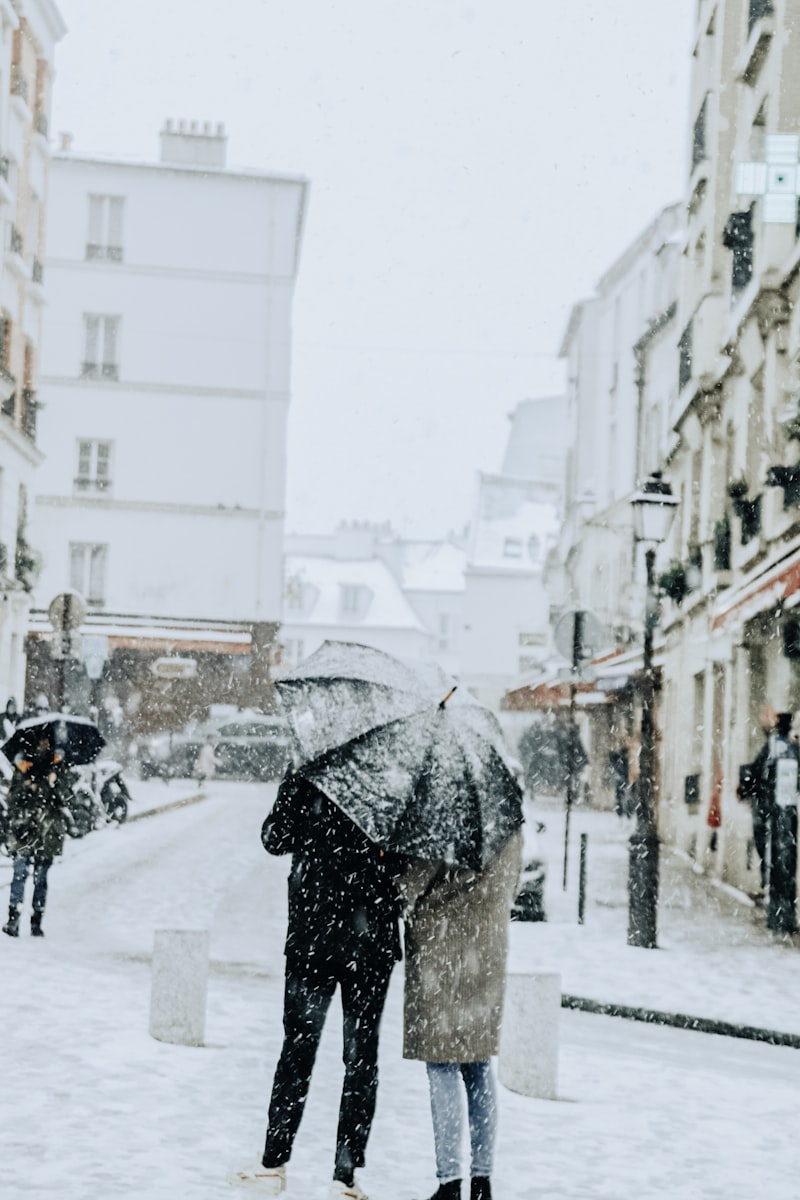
(761, 841)
(781, 906)
(307, 997)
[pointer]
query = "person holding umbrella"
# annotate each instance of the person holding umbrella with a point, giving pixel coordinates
(36, 824)
(456, 942)
(343, 930)
(388, 770)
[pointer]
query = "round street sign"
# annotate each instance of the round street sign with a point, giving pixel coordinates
(67, 610)
(590, 634)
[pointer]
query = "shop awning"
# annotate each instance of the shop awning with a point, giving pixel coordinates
(165, 639)
(777, 582)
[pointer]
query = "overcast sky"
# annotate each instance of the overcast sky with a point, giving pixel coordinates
(475, 165)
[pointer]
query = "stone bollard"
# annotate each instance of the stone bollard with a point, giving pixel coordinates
(528, 1061)
(179, 979)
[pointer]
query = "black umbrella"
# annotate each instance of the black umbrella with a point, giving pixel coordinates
(77, 739)
(419, 774)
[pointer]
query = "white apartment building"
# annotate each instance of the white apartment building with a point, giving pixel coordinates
(165, 386)
(29, 32)
(365, 584)
(731, 644)
(514, 528)
(621, 385)
(606, 423)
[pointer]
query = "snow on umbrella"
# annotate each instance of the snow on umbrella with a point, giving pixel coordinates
(77, 739)
(425, 778)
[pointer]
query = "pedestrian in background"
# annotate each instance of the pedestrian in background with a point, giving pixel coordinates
(343, 931)
(11, 718)
(207, 763)
(36, 824)
(755, 786)
(456, 943)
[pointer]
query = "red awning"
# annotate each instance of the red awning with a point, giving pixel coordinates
(773, 584)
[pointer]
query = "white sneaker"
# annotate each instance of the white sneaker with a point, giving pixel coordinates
(262, 1181)
(341, 1191)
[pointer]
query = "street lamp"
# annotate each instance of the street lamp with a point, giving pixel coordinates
(653, 509)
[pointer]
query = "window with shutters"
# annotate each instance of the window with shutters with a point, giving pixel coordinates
(93, 474)
(101, 344)
(104, 241)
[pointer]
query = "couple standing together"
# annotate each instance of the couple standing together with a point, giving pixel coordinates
(345, 900)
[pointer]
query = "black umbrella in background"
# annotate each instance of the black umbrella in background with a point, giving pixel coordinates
(77, 739)
(419, 769)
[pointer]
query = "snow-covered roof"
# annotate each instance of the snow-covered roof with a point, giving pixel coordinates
(433, 567)
(319, 592)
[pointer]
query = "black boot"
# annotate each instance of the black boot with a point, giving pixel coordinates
(480, 1188)
(11, 926)
(36, 925)
(448, 1191)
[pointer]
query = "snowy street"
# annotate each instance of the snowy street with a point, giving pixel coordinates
(93, 1107)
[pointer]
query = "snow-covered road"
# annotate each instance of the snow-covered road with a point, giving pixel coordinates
(92, 1107)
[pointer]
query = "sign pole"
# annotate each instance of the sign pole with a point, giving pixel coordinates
(577, 658)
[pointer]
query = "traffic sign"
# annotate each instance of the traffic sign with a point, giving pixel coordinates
(578, 636)
(67, 610)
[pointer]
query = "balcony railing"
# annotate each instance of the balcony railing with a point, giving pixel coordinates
(86, 483)
(95, 253)
(4, 167)
(750, 513)
(37, 272)
(93, 370)
(15, 242)
(722, 545)
(699, 135)
(685, 357)
(19, 84)
(8, 407)
(40, 123)
(30, 408)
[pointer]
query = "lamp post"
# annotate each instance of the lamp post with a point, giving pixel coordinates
(653, 510)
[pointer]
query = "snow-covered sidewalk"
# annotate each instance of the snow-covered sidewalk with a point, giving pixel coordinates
(94, 1108)
(716, 958)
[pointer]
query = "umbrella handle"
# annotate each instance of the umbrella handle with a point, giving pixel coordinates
(447, 697)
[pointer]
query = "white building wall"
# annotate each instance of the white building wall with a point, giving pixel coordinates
(605, 421)
(499, 608)
(193, 514)
(29, 32)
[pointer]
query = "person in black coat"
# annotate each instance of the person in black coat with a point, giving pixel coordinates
(343, 929)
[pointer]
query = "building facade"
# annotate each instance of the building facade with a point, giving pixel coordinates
(29, 32)
(731, 656)
(165, 385)
(514, 528)
(621, 384)
(347, 586)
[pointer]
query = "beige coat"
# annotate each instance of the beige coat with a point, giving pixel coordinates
(456, 942)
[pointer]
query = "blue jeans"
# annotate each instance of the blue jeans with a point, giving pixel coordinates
(447, 1111)
(22, 864)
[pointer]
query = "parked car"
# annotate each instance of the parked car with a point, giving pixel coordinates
(253, 746)
(529, 903)
(248, 745)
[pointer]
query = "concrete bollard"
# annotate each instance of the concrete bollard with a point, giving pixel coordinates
(528, 1061)
(179, 981)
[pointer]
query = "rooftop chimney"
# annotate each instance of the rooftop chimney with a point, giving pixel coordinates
(194, 146)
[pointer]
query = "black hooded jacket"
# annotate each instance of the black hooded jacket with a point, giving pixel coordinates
(343, 905)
